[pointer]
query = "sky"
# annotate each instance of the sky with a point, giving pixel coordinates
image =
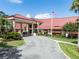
(37, 8)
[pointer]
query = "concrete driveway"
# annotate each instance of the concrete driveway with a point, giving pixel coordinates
(40, 47)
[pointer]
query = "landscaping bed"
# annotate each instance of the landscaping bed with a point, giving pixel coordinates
(11, 39)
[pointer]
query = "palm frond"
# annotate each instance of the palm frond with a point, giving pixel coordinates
(75, 6)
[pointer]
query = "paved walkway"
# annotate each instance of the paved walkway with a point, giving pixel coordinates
(40, 47)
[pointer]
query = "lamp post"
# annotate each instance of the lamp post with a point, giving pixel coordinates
(51, 26)
(52, 14)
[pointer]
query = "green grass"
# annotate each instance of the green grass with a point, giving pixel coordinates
(13, 43)
(60, 38)
(70, 50)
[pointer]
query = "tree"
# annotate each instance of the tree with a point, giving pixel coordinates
(5, 25)
(75, 7)
(70, 27)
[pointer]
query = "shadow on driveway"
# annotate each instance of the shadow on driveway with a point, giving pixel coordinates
(9, 52)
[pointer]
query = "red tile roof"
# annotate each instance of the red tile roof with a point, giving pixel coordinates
(21, 17)
(57, 23)
(24, 18)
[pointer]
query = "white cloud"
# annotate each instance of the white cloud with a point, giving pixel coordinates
(43, 16)
(15, 1)
(28, 15)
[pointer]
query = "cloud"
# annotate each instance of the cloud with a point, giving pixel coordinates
(43, 16)
(28, 15)
(15, 1)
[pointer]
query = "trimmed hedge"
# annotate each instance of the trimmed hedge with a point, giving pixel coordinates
(14, 35)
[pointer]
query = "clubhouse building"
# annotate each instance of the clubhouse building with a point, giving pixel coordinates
(24, 24)
(44, 26)
(56, 24)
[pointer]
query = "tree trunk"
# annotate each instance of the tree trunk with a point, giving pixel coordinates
(78, 37)
(78, 28)
(0, 30)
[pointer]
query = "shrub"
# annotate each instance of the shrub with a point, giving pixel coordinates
(14, 35)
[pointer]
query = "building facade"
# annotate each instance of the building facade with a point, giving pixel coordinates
(23, 24)
(44, 26)
(55, 25)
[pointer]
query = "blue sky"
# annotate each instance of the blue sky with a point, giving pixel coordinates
(36, 7)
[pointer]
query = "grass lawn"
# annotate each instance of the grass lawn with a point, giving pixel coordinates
(60, 38)
(14, 43)
(70, 50)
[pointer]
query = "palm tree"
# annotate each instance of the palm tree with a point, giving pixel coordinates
(75, 7)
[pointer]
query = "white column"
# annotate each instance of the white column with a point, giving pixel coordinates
(37, 27)
(32, 28)
(42, 31)
(13, 25)
(48, 31)
(27, 28)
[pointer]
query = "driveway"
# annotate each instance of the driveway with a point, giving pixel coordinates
(40, 47)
